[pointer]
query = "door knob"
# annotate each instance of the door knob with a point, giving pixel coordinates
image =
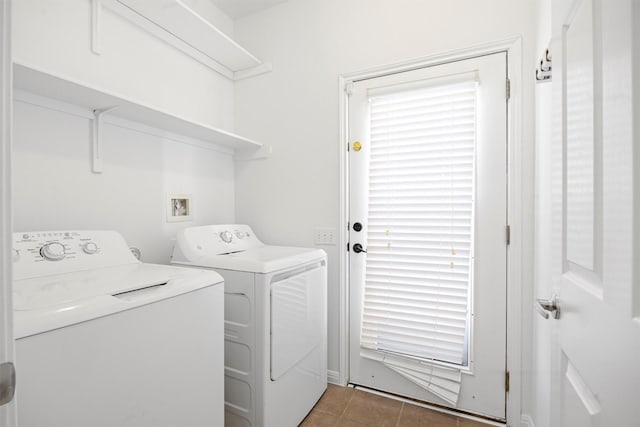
(546, 306)
(357, 248)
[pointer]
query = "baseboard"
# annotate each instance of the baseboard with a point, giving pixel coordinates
(526, 421)
(334, 377)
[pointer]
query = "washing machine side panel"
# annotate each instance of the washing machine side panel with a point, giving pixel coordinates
(263, 330)
(240, 349)
(157, 365)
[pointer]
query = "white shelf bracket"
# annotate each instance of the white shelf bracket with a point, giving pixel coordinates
(253, 71)
(96, 30)
(96, 166)
(263, 152)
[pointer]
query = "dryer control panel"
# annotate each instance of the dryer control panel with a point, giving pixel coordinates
(195, 242)
(42, 253)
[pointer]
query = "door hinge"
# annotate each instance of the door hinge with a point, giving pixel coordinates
(506, 382)
(508, 89)
(508, 234)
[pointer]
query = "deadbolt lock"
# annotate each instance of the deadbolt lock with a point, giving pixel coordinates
(357, 146)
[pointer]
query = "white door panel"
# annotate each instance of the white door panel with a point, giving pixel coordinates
(482, 387)
(597, 346)
(581, 132)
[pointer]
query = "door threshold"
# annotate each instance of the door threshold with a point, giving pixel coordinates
(432, 406)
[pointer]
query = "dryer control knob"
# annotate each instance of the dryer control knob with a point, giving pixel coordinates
(90, 248)
(226, 236)
(53, 251)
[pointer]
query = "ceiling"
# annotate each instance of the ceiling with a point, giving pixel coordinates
(238, 8)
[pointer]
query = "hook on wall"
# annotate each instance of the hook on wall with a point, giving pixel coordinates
(543, 72)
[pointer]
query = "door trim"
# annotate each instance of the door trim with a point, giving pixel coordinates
(517, 194)
(7, 411)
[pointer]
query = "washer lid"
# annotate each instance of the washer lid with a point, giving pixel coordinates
(264, 259)
(50, 302)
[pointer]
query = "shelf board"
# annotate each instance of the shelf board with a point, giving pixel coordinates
(76, 93)
(187, 25)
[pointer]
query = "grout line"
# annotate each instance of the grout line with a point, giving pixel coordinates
(400, 415)
(353, 393)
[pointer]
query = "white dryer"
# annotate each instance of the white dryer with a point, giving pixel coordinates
(275, 322)
(104, 340)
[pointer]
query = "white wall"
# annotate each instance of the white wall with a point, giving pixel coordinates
(54, 188)
(295, 108)
(55, 36)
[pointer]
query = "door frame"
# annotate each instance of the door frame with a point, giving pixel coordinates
(8, 411)
(515, 218)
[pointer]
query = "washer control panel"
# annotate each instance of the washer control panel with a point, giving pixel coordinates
(40, 253)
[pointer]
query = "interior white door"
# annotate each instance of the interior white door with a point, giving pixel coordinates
(7, 410)
(480, 373)
(595, 222)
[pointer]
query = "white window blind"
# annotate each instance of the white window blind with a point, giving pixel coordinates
(420, 221)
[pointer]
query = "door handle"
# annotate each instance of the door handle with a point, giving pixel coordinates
(546, 306)
(7, 382)
(357, 248)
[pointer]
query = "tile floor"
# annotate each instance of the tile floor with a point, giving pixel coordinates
(348, 407)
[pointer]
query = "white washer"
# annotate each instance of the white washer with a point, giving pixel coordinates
(275, 322)
(105, 340)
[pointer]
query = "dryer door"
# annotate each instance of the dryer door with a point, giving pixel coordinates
(296, 316)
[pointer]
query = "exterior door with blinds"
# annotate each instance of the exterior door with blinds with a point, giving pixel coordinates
(428, 250)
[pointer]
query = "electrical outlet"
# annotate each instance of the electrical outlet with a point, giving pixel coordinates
(325, 236)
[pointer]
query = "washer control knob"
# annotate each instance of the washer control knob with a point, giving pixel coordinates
(226, 236)
(136, 252)
(90, 248)
(52, 251)
(240, 234)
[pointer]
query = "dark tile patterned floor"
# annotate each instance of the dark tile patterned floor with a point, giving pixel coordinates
(348, 407)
